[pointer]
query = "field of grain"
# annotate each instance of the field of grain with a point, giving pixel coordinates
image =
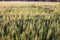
(29, 21)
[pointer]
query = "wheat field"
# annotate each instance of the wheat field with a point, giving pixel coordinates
(29, 21)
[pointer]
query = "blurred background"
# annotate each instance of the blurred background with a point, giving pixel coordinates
(34, 0)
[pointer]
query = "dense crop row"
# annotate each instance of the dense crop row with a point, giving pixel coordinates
(30, 23)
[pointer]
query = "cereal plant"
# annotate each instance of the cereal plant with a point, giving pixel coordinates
(41, 22)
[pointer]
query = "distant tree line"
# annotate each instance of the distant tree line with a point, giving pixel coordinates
(34, 0)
